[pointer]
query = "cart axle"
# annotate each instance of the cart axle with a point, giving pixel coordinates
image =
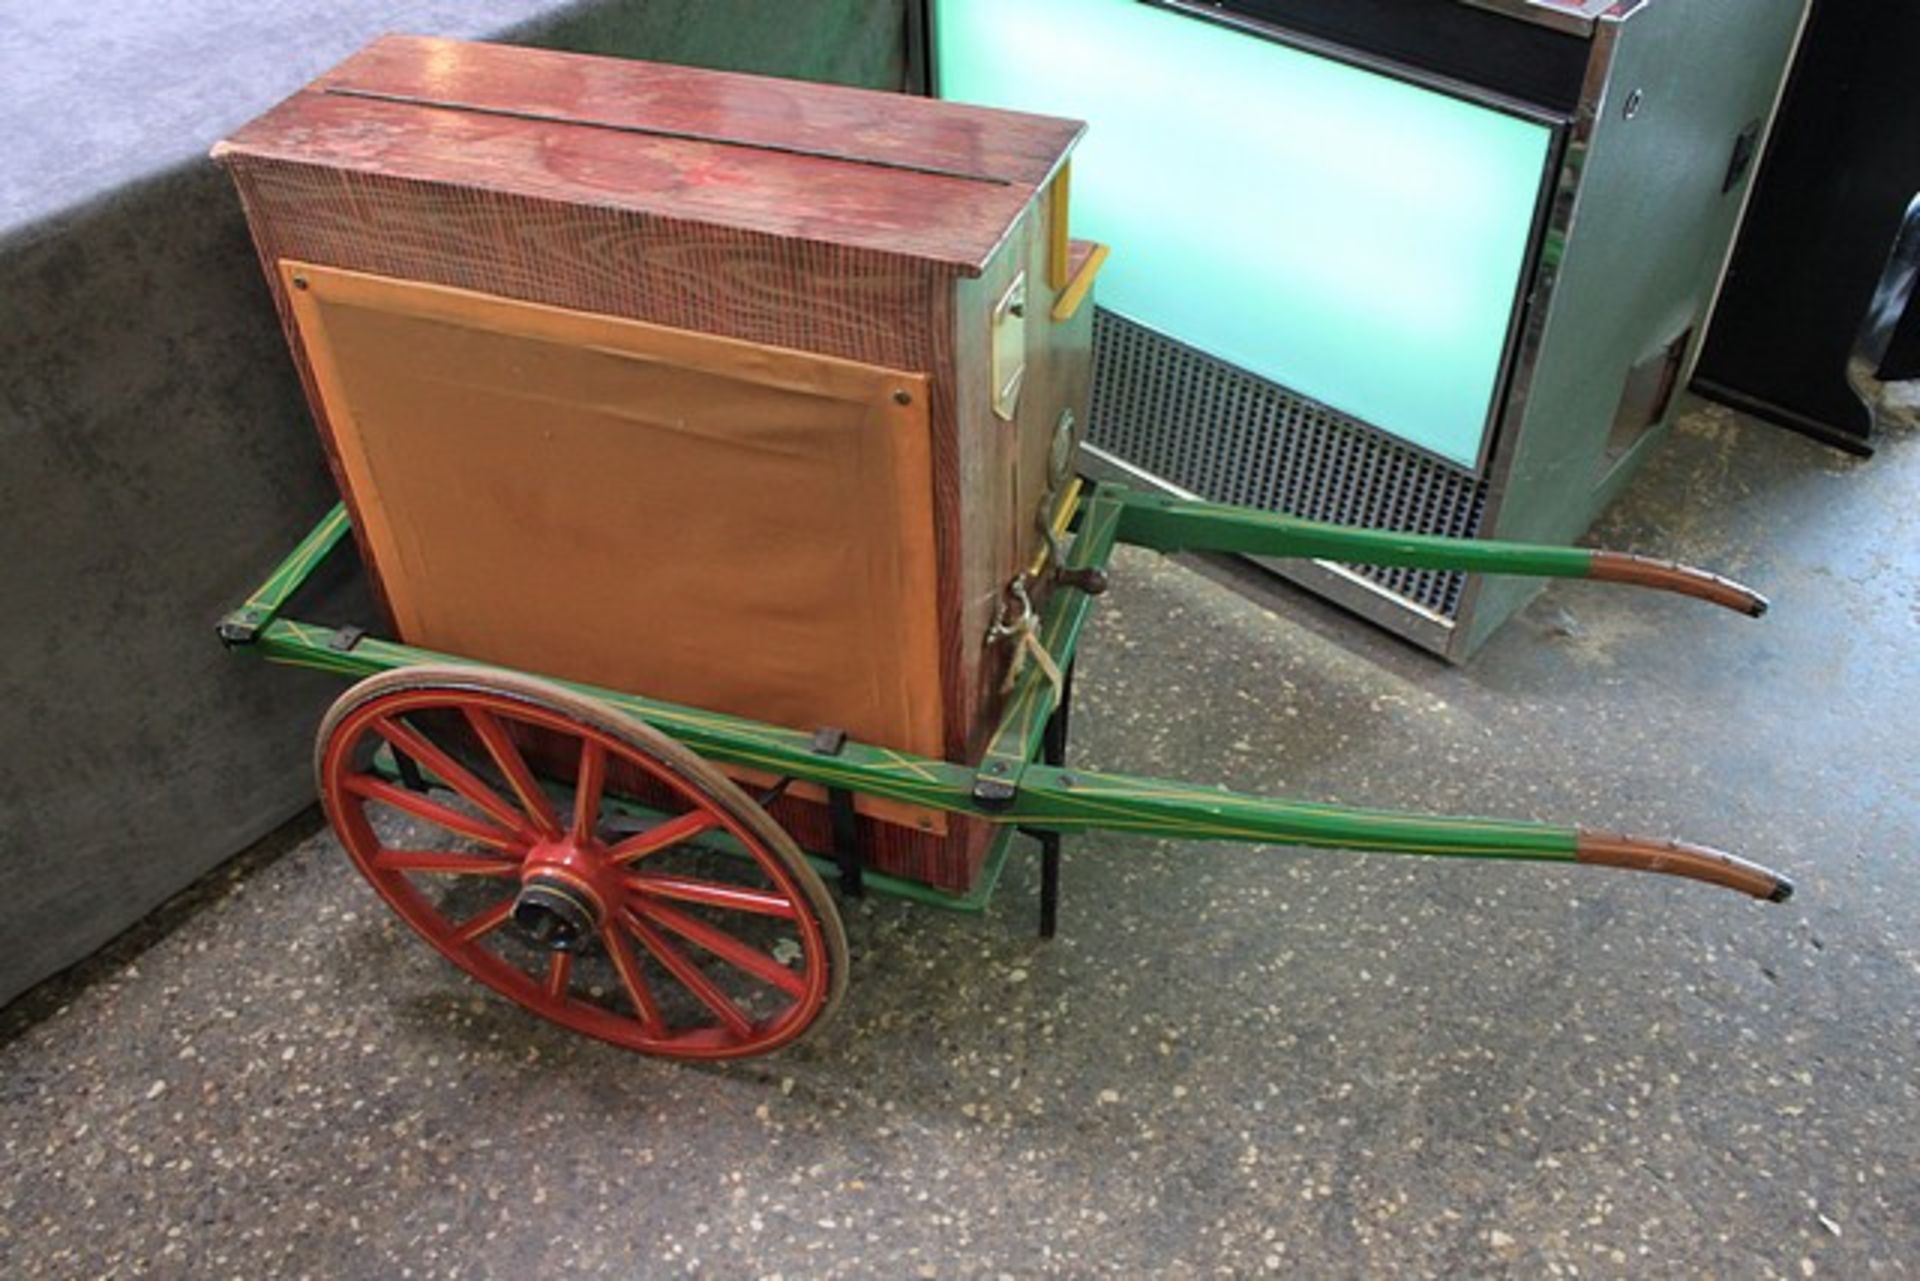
(554, 914)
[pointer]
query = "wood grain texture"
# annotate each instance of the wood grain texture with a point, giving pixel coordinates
(982, 482)
(504, 206)
(1002, 475)
(572, 135)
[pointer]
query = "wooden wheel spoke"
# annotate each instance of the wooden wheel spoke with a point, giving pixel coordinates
(664, 835)
(444, 861)
(405, 738)
(736, 898)
(627, 965)
(589, 780)
(486, 923)
(740, 955)
(690, 977)
(507, 758)
(559, 973)
(367, 787)
(693, 947)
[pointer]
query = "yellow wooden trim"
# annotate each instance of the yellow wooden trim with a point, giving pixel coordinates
(1059, 251)
(1076, 293)
(1062, 517)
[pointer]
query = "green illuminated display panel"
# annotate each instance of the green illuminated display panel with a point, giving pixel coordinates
(1355, 238)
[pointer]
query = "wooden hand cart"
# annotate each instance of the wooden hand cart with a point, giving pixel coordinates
(806, 351)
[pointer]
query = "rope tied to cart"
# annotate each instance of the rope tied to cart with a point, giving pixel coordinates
(1023, 628)
(1016, 619)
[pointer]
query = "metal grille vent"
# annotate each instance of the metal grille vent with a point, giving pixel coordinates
(1217, 431)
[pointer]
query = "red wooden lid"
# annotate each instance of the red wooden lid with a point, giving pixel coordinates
(881, 171)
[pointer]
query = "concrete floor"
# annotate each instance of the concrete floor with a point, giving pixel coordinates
(1233, 1061)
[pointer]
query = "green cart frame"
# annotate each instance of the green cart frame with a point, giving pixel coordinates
(581, 858)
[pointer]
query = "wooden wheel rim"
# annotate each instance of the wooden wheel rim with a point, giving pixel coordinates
(636, 927)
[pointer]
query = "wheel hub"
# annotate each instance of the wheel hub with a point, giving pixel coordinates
(557, 912)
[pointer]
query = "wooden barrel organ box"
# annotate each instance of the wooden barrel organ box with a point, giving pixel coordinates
(744, 394)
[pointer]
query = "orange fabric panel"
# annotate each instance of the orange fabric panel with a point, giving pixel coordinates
(727, 525)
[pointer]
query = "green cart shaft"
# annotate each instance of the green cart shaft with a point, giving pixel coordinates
(1012, 784)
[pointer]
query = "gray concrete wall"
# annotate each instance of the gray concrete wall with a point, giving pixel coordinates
(156, 459)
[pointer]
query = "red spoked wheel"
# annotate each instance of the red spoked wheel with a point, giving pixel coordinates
(699, 931)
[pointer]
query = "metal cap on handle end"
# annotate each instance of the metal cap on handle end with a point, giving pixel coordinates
(1671, 576)
(1679, 858)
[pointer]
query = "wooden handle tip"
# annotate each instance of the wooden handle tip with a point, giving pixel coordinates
(1677, 858)
(1668, 576)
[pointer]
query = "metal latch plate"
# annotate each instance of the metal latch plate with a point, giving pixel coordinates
(1010, 348)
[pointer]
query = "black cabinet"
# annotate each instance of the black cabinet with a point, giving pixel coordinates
(1843, 166)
